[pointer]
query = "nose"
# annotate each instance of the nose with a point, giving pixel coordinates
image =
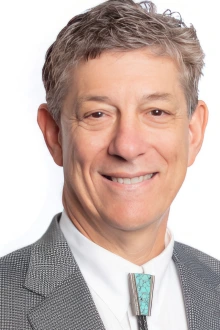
(129, 140)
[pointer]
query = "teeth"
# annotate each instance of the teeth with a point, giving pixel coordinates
(137, 179)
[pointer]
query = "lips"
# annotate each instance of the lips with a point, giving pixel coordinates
(131, 180)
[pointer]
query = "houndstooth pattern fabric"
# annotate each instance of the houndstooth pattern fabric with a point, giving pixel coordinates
(42, 288)
(200, 279)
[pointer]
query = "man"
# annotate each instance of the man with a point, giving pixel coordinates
(123, 119)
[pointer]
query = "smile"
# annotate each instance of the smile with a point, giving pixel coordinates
(128, 181)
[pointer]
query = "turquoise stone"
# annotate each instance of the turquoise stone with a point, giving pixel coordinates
(143, 286)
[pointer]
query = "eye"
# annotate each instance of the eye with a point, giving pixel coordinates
(97, 114)
(97, 119)
(157, 112)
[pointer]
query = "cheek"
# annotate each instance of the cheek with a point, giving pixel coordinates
(173, 146)
(83, 148)
(174, 151)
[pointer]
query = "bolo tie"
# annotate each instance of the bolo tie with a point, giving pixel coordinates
(141, 289)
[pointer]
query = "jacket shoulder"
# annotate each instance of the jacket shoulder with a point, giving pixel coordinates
(199, 262)
(15, 263)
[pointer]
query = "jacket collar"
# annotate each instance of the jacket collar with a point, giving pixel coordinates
(68, 304)
(51, 261)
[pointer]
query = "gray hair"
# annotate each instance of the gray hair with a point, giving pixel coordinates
(122, 25)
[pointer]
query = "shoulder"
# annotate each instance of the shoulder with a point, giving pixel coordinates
(15, 264)
(197, 261)
(14, 260)
(19, 272)
(186, 252)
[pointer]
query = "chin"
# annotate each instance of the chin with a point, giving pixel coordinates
(129, 222)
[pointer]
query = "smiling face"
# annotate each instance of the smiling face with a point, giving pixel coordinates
(125, 139)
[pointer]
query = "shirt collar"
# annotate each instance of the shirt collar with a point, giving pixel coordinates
(107, 273)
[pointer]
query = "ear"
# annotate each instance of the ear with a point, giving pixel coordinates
(197, 126)
(51, 133)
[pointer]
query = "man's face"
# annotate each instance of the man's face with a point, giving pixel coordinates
(125, 139)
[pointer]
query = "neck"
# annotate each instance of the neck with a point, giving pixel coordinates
(137, 246)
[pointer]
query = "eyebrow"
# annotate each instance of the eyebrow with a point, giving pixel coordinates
(93, 98)
(87, 98)
(157, 96)
(106, 99)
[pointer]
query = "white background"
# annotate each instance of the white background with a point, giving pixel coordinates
(31, 184)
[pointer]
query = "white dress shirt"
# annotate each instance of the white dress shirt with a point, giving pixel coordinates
(106, 275)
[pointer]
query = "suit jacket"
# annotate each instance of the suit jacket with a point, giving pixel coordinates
(42, 287)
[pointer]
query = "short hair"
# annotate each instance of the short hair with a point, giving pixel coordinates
(122, 25)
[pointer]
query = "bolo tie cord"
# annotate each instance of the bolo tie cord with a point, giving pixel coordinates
(142, 322)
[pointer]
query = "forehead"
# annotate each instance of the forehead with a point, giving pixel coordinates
(131, 74)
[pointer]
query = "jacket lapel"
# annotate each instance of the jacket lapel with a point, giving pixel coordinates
(69, 306)
(53, 274)
(200, 286)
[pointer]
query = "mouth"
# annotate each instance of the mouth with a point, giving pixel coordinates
(133, 180)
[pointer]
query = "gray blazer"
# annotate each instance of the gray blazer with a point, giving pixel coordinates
(42, 288)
